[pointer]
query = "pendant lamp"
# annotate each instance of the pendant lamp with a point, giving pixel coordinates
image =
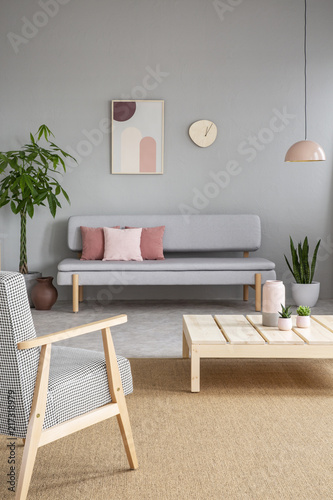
(305, 150)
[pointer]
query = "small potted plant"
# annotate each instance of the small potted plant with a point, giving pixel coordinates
(303, 317)
(285, 321)
(304, 290)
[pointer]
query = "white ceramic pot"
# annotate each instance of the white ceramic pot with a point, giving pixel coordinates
(303, 321)
(273, 295)
(285, 324)
(305, 293)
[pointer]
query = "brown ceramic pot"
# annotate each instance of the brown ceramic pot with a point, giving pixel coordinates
(44, 294)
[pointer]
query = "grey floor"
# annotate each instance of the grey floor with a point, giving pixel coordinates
(154, 328)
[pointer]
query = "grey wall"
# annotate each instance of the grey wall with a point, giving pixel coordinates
(234, 63)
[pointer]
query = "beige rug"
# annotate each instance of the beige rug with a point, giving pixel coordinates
(257, 430)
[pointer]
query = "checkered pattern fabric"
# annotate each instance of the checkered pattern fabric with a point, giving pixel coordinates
(78, 382)
(18, 369)
(78, 379)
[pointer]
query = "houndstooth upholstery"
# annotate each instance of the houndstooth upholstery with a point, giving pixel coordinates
(78, 382)
(18, 369)
(78, 379)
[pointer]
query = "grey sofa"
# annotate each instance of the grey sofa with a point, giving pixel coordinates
(199, 250)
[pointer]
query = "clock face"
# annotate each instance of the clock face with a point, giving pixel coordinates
(203, 133)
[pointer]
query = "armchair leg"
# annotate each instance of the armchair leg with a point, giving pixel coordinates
(117, 396)
(35, 423)
(75, 286)
(258, 291)
(126, 434)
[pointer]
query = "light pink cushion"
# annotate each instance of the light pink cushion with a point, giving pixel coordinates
(92, 243)
(122, 244)
(152, 243)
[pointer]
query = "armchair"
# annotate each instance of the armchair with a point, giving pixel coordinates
(54, 397)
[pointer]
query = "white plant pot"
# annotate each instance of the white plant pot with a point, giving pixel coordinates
(285, 324)
(305, 294)
(303, 321)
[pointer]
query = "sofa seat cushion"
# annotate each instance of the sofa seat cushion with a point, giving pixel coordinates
(171, 263)
(78, 383)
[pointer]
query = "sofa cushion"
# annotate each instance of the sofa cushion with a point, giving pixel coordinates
(122, 244)
(133, 278)
(171, 263)
(93, 243)
(152, 242)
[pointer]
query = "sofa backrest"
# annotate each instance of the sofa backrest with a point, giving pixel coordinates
(193, 233)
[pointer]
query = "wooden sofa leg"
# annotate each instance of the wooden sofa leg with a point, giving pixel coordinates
(75, 285)
(246, 287)
(80, 293)
(258, 291)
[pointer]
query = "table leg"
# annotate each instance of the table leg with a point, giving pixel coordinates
(195, 369)
(186, 350)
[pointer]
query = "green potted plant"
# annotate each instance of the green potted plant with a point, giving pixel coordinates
(304, 290)
(285, 320)
(28, 178)
(303, 317)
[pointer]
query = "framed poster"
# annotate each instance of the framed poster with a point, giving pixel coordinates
(137, 137)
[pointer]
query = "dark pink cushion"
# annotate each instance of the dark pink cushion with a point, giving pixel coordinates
(152, 243)
(92, 243)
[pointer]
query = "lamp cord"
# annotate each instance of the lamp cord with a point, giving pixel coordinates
(305, 62)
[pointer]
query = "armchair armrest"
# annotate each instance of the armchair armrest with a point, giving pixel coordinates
(73, 332)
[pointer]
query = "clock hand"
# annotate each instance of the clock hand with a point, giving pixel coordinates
(209, 128)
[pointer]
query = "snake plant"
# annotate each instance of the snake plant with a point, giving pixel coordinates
(301, 268)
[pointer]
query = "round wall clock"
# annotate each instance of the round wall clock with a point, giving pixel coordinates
(203, 133)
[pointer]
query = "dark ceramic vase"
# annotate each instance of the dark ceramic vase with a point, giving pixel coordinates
(44, 294)
(30, 282)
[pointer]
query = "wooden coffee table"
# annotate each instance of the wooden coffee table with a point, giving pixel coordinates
(229, 336)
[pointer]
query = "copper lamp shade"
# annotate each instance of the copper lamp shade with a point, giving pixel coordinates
(305, 151)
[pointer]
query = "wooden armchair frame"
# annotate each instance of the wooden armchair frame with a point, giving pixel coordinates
(36, 436)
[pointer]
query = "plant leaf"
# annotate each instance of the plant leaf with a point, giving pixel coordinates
(300, 256)
(52, 204)
(292, 272)
(30, 209)
(314, 261)
(30, 185)
(296, 266)
(66, 195)
(305, 258)
(13, 207)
